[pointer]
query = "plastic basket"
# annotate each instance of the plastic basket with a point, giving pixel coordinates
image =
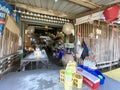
(62, 75)
(62, 80)
(102, 80)
(77, 80)
(73, 75)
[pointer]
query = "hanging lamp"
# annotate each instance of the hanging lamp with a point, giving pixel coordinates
(68, 28)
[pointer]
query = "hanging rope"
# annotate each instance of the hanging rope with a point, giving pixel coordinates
(111, 45)
(112, 29)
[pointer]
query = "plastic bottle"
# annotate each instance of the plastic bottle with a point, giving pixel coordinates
(43, 52)
(68, 79)
(86, 61)
(68, 75)
(93, 64)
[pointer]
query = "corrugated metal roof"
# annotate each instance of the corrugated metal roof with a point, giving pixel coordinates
(61, 8)
(61, 5)
(65, 6)
(105, 2)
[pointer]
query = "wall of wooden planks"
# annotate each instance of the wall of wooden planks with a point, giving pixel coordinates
(10, 37)
(105, 48)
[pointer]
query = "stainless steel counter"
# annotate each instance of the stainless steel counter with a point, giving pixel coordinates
(32, 58)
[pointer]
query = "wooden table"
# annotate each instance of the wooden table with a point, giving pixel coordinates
(32, 58)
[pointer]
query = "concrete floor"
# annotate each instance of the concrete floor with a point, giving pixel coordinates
(33, 80)
(44, 79)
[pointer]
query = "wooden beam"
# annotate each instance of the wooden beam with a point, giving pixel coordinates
(86, 3)
(95, 10)
(35, 22)
(43, 11)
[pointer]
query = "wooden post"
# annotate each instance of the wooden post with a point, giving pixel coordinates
(76, 27)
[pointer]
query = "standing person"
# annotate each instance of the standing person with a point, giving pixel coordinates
(85, 50)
